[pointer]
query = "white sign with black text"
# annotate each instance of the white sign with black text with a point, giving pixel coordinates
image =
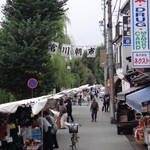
(66, 50)
(53, 47)
(91, 52)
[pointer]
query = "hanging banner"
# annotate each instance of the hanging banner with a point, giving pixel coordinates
(78, 51)
(53, 47)
(140, 21)
(91, 52)
(126, 31)
(66, 50)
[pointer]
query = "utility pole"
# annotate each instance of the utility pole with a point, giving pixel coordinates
(110, 62)
(106, 61)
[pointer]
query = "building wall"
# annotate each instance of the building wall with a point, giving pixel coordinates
(126, 52)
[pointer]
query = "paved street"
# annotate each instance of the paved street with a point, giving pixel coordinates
(100, 135)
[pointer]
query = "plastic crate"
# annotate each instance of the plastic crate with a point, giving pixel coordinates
(36, 134)
(73, 128)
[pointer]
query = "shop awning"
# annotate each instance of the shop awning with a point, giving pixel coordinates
(122, 95)
(139, 100)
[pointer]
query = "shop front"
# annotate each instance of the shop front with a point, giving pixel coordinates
(140, 102)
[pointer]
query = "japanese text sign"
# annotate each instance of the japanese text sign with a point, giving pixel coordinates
(140, 33)
(78, 51)
(91, 51)
(66, 50)
(53, 47)
(126, 31)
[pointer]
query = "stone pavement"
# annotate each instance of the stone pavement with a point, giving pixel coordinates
(100, 135)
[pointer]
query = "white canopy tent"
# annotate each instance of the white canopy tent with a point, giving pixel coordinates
(39, 103)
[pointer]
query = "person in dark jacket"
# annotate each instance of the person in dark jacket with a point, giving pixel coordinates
(94, 108)
(69, 110)
(106, 101)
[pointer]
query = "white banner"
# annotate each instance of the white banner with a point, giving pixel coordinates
(91, 52)
(66, 50)
(140, 33)
(78, 51)
(53, 47)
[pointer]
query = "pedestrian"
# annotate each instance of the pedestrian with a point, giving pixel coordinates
(106, 101)
(69, 110)
(94, 108)
(91, 94)
(47, 136)
(49, 116)
(80, 99)
(88, 98)
(96, 93)
(62, 113)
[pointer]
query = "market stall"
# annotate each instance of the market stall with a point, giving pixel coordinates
(16, 119)
(18, 130)
(140, 102)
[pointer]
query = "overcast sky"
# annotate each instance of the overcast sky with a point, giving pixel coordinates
(84, 16)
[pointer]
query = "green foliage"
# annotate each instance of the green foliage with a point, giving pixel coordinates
(5, 97)
(99, 72)
(63, 76)
(80, 69)
(89, 62)
(29, 27)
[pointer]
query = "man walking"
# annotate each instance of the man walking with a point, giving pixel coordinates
(106, 101)
(69, 110)
(94, 108)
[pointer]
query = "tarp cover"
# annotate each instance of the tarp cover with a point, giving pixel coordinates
(39, 103)
(139, 99)
(122, 95)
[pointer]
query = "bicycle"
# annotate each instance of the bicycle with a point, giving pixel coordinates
(73, 130)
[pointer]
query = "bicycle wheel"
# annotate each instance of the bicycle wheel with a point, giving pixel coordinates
(74, 141)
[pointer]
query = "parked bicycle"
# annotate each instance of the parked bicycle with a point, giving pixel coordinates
(73, 130)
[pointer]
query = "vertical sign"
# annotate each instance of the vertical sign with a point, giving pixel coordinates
(102, 58)
(126, 31)
(140, 33)
(66, 50)
(78, 51)
(53, 47)
(91, 52)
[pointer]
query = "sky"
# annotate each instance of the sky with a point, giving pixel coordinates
(84, 15)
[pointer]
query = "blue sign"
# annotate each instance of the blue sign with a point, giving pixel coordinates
(32, 83)
(126, 41)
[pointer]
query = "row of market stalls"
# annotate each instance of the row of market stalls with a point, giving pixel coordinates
(138, 99)
(13, 134)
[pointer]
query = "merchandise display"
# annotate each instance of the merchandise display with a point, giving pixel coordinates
(142, 131)
(16, 132)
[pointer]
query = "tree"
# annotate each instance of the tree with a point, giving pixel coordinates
(29, 27)
(80, 69)
(99, 72)
(94, 65)
(63, 76)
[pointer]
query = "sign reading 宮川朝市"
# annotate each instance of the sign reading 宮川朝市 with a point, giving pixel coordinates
(140, 33)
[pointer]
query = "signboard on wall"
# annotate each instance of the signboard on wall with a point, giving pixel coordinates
(140, 44)
(102, 58)
(126, 31)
